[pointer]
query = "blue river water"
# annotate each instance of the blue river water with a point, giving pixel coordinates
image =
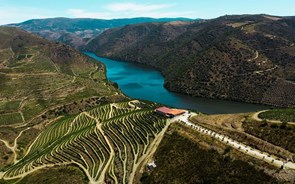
(145, 83)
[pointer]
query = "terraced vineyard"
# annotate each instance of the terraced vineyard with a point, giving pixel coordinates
(108, 143)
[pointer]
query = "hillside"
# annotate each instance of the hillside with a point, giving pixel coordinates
(108, 143)
(186, 157)
(40, 82)
(247, 58)
(36, 74)
(60, 119)
(206, 155)
(59, 114)
(77, 32)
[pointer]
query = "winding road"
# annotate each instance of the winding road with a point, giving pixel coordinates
(255, 116)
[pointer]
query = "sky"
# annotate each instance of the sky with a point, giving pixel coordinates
(14, 11)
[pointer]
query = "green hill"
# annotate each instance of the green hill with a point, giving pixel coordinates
(41, 81)
(59, 114)
(36, 74)
(108, 143)
(247, 58)
(60, 119)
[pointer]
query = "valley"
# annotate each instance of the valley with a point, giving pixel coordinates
(245, 58)
(146, 83)
(79, 118)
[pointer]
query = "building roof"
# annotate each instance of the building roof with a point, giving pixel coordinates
(167, 110)
(176, 111)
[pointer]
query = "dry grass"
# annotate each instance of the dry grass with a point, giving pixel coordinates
(229, 121)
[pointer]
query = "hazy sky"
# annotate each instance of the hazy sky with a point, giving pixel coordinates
(12, 11)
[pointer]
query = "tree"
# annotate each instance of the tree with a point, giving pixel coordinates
(284, 125)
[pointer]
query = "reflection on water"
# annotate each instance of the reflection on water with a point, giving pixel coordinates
(142, 82)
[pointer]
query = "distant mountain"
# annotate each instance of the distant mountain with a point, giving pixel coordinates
(249, 58)
(77, 32)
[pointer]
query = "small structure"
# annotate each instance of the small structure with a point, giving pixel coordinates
(151, 165)
(170, 113)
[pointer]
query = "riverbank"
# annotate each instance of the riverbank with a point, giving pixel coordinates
(146, 83)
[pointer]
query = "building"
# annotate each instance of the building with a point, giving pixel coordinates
(170, 113)
(151, 165)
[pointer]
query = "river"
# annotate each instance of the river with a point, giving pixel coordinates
(143, 82)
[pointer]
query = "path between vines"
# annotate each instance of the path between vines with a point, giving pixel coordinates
(147, 157)
(149, 154)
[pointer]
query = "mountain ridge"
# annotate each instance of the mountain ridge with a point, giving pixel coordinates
(231, 57)
(76, 126)
(77, 32)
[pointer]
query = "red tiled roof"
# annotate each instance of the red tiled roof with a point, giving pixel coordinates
(176, 111)
(167, 110)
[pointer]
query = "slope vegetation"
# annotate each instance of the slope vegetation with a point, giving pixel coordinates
(77, 32)
(108, 143)
(182, 158)
(36, 74)
(246, 58)
(58, 111)
(40, 82)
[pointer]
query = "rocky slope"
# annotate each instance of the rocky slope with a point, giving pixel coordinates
(249, 58)
(77, 32)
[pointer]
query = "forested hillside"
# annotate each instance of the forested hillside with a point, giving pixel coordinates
(247, 58)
